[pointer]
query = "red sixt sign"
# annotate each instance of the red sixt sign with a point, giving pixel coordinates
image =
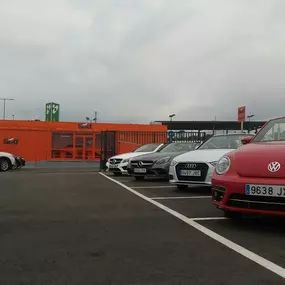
(11, 141)
(241, 114)
(85, 126)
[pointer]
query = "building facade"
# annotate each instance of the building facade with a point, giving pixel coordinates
(39, 140)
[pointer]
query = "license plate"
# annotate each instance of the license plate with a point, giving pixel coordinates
(265, 190)
(140, 170)
(186, 172)
(113, 166)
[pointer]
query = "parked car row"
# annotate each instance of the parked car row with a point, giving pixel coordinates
(118, 164)
(9, 161)
(246, 172)
(157, 164)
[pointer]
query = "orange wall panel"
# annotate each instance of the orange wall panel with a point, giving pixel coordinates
(73, 126)
(32, 145)
(35, 137)
(124, 147)
(131, 141)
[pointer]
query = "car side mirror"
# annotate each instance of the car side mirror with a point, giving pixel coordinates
(246, 140)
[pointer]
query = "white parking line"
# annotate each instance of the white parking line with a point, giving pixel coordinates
(153, 187)
(185, 197)
(208, 219)
(226, 242)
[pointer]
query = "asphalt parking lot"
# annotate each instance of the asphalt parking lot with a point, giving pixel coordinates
(83, 228)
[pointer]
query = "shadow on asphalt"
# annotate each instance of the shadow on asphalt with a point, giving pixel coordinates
(52, 170)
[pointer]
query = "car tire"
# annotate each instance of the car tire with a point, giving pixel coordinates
(117, 173)
(4, 164)
(139, 178)
(232, 215)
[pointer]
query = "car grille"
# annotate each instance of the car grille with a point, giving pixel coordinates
(257, 202)
(115, 170)
(142, 163)
(115, 160)
(199, 166)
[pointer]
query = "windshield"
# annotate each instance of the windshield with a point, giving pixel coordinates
(147, 147)
(274, 131)
(224, 142)
(179, 147)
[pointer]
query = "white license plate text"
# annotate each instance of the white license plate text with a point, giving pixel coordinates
(186, 172)
(265, 190)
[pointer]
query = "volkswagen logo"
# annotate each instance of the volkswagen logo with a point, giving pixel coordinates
(140, 163)
(274, 166)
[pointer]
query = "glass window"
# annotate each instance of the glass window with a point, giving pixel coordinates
(89, 142)
(273, 131)
(179, 147)
(55, 154)
(224, 142)
(90, 134)
(79, 142)
(62, 140)
(147, 148)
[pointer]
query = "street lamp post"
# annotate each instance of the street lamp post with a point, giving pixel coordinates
(249, 117)
(95, 117)
(4, 107)
(171, 116)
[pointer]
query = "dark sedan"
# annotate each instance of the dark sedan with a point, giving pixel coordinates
(157, 164)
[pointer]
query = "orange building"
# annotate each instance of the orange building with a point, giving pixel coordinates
(39, 140)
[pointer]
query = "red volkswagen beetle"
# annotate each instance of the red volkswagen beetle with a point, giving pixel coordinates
(251, 179)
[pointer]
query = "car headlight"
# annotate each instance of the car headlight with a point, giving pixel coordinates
(214, 163)
(125, 160)
(129, 163)
(163, 160)
(173, 162)
(223, 165)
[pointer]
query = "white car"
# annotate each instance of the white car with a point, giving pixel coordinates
(7, 161)
(118, 164)
(196, 167)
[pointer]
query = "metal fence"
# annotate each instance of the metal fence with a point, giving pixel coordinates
(118, 142)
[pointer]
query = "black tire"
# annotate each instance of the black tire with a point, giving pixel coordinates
(5, 164)
(232, 215)
(182, 186)
(139, 178)
(117, 173)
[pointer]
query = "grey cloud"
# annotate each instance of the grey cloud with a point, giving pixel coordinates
(137, 61)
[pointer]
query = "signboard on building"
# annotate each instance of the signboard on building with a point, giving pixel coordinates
(52, 112)
(241, 114)
(85, 126)
(11, 141)
(48, 112)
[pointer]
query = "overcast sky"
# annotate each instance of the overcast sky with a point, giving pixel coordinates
(140, 60)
